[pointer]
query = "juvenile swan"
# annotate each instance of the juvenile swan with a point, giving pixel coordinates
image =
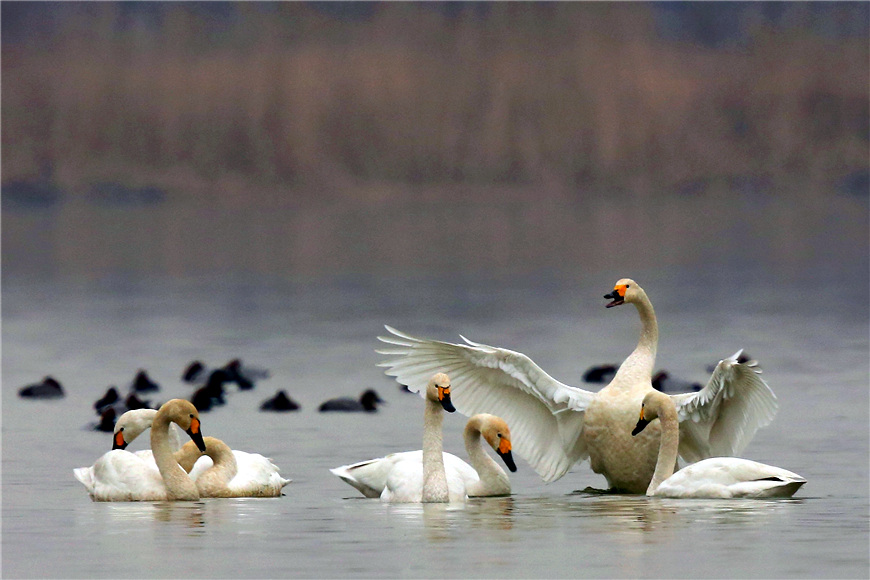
(555, 425)
(123, 476)
(718, 477)
(226, 478)
(484, 477)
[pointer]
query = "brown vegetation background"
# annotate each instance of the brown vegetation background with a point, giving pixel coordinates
(562, 95)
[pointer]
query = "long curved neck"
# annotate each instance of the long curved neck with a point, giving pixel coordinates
(213, 482)
(493, 479)
(668, 447)
(179, 486)
(187, 456)
(640, 363)
(434, 476)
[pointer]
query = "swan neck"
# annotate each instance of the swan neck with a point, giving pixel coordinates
(493, 479)
(178, 483)
(649, 331)
(434, 475)
(668, 447)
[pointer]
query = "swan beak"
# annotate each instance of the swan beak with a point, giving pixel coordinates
(119, 442)
(196, 434)
(444, 398)
(504, 451)
(618, 297)
(641, 424)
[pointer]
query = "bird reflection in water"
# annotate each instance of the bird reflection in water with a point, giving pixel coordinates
(187, 514)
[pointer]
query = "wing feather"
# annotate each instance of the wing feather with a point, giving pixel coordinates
(502, 382)
(721, 419)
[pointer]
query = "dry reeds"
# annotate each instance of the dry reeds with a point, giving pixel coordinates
(575, 94)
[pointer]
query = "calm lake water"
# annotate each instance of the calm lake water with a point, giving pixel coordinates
(782, 296)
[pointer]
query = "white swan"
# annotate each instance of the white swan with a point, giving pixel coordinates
(483, 478)
(256, 477)
(555, 425)
(424, 481)
(717, 477)
(254, 472)
(123, 476)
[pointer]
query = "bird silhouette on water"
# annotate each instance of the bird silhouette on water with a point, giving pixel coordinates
(368, 402)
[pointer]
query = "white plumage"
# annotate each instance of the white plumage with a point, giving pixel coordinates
(555, 425)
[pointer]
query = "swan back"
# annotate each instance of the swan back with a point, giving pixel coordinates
(717, 477)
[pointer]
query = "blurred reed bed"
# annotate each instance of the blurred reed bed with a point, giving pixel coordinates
(553, 95)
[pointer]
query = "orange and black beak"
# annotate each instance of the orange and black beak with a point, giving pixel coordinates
(118, 441)
(196, 434)
(618, 297)
(641, 424)
(444, 398)
(504, 451)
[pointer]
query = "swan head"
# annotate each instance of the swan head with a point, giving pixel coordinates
(438, 390)
(185, 415)
(649, 410)
(626, 290)
(495, 432)
(130, 425)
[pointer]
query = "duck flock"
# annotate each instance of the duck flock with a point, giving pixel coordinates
(634, 431)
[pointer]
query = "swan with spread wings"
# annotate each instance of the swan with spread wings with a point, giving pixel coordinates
(554, 425)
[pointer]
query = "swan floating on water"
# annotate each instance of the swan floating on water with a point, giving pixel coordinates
(717, 477)
(123, 476)
(417, 481)
(483, 478)
(232, 473)
(253, 475)
(555, 425)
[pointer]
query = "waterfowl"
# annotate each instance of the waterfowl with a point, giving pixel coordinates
(123, 476)
(49, 388)
(142, 383)
(424, 481)
(600, 373)
(244, 376)
(717, 477)
(555, 425)
(483, 478)
(110, 398)
(232, 473)
(664, 382)
(367, 402)
(280, 402)
(212, 393)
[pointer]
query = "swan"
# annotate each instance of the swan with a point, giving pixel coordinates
(424, 480)
(367, 402)
(249, 466)
(717, 477)
(253, 476)
(123, 476)
(555, 425)
(483, 478)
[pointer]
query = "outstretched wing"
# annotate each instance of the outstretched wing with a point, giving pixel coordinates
(545, 416)
(721, 419)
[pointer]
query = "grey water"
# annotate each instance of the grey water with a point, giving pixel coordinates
(788, 284)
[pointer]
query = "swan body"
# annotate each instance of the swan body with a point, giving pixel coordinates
(556, 425)
(251, 467)
(717, 477)
(233, 473)
(123, 476)
(483, 478)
